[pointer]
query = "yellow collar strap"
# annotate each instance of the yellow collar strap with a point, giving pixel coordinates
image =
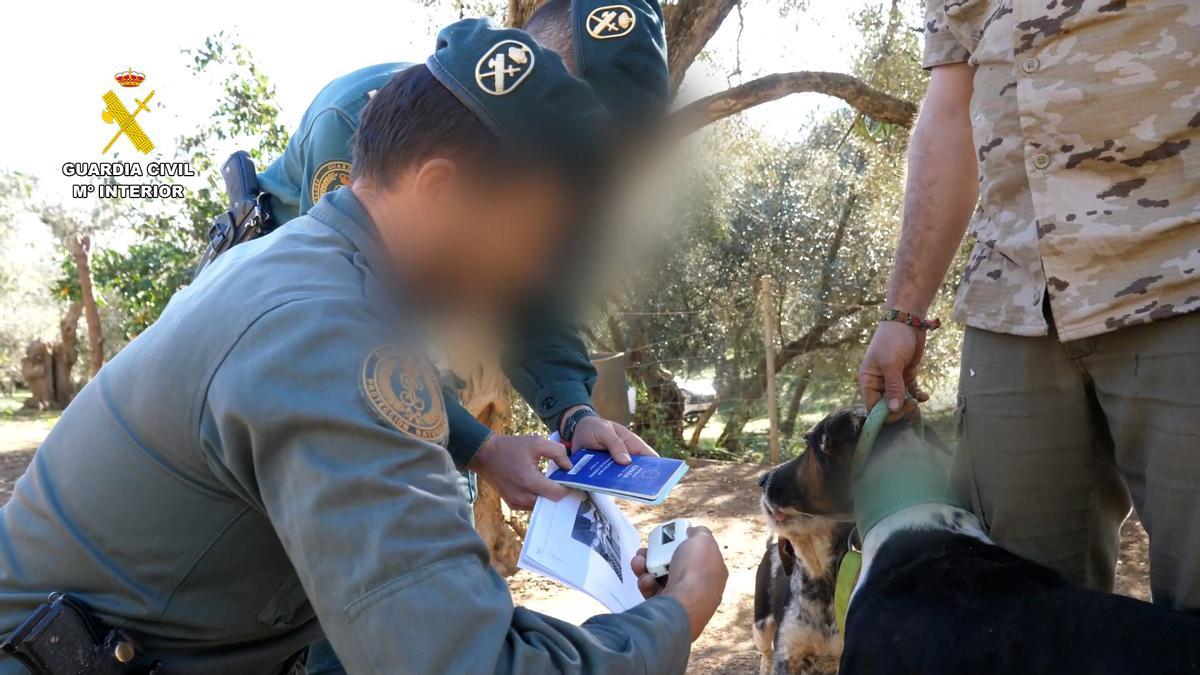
(847, 578)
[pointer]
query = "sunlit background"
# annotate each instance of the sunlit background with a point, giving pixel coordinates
(63, 56)
(804, 189)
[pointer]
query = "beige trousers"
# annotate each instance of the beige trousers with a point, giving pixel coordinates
(1054, 439)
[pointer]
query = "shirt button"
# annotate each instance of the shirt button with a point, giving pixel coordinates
(1041, 161)
(1030, 65)
(548, 402)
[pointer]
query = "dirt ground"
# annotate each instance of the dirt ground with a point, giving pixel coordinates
(19, 437)
(12, 465)
(720, 495)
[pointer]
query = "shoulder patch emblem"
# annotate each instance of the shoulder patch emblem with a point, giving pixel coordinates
(504, 67)
(403, 390)
(611, 21)
(329, 177)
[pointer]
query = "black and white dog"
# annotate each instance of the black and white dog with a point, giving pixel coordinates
(795, 630)
(937, 596)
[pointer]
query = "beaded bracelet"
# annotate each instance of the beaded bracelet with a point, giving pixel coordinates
(909, 319)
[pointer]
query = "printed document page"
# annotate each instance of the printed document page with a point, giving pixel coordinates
(587, 543)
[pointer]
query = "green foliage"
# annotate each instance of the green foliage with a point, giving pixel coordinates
(497, 9)
(523, 420)
(171, 239)
(245, 110)
(66, 286)
(819, 215)
(24, 274)
(650, 420)
(145, 277)
(15, 191)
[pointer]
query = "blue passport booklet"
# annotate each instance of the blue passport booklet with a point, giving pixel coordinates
(647, 479)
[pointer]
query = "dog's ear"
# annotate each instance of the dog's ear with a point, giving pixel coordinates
(839, 433)
(787, 555)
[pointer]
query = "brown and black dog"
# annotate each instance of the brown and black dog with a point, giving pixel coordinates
(794, 626)
(936, 596)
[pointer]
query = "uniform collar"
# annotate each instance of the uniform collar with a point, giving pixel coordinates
(342, 211)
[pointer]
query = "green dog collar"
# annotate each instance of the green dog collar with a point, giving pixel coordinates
(896, 482)
(896, 486)
(891, 485)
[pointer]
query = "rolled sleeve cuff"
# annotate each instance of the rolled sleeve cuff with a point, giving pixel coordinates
(555, 399)
(941, 49)
(467, 434)
(661, 632)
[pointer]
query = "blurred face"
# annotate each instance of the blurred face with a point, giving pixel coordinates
(477, 241)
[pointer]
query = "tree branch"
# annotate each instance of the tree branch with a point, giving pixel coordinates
(689, 25)
(862, 97)
(838, 342)
(518, 11)
(835, 250)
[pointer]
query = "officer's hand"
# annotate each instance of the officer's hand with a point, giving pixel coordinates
(697, 580)
(597, 433)
(647, 583)
(889, 370)
(510, 464)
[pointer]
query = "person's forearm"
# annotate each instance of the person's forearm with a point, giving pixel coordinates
(467, 435)
(941, 192)
(547, 362)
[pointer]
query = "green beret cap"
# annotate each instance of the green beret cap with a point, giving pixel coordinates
(521, 91)
(621, 52)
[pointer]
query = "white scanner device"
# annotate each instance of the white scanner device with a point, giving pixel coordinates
(664, 539)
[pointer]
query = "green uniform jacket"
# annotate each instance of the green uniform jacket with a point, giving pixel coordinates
(548, 363)
(251, 464)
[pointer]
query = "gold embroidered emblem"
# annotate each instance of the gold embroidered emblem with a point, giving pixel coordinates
(403, 390)
(329, 177)
(612, 21)
(504, 67)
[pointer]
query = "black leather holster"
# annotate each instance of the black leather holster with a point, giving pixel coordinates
(249, 214)
(62, 637)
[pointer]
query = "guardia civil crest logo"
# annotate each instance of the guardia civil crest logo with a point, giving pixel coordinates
(504, 67)
(329, 177)
(403, 390)
(612, 21)
(115, 112)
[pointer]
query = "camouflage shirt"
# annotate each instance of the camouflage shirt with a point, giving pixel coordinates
(1086, 117)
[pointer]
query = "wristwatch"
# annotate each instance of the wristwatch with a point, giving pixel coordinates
(569, 424)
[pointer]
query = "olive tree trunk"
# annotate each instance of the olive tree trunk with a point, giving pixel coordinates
(80, 247)
(46, 368)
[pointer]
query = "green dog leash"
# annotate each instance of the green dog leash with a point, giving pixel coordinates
(890, 488)
(851, 566)
(870, 433)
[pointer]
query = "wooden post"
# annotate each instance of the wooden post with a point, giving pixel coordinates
(769, 346)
